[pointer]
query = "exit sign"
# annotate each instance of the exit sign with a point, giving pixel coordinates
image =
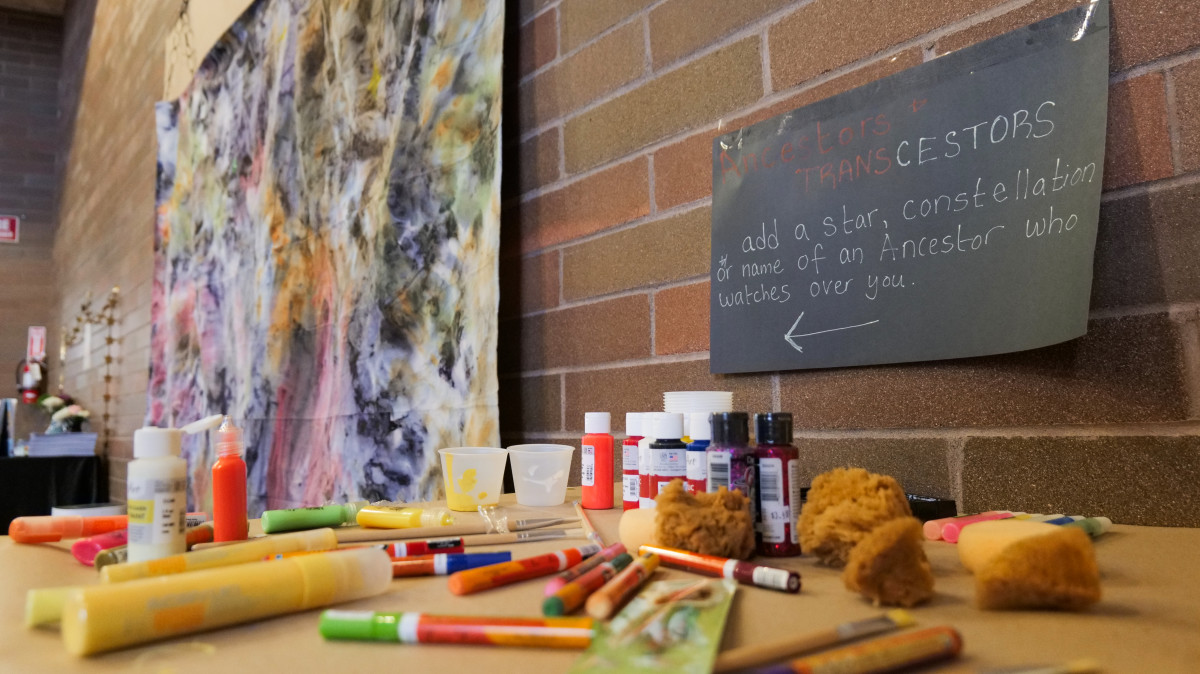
(10, 229)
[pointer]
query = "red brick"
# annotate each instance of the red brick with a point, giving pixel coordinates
(589, 205)
(528, 284)
(527, 8)
(1138, 145)
(1017, 18)
(1187, 112)
(591, 334)
(1144, 30)
(531, 404)
(640, 389)
(822, 36)
(654, 252)
(713, 85)
(584, 19)
(537, 42)
(681, 319)
(538, 160)
(675, 30)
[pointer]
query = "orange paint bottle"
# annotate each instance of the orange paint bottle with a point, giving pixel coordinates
(229, 486)
(597, 461)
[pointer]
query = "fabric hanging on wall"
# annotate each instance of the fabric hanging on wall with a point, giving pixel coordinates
(326, 246)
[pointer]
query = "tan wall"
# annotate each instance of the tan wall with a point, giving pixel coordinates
(606, 278)
(30, 60)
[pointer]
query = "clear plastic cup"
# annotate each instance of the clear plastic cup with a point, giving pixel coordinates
(473, 476)
(540, 473)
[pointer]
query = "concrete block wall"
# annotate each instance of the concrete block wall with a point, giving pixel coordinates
(611, 109)
(30, 64)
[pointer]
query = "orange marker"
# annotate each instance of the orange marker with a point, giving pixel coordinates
(605, 601)
(51, 528)
(488, 577)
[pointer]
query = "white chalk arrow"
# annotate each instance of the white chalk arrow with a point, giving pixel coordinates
(791, 338)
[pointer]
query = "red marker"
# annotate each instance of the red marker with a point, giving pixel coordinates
(605, 601)
(488, 577)
(746, 573)
(606, 555)
(430, 547)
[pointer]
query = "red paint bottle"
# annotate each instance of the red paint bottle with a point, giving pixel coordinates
(630, 480)
(597, 461)
(229, 486)
(778, 485)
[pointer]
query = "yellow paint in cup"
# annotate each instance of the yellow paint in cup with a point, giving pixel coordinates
(473, 476)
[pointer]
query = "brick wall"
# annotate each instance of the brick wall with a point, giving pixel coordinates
(30, 46)
(611, 111)
(113, 75)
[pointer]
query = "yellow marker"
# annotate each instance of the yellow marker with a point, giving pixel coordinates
(105, 617)
(44, 606)
(225, 555)
(402, 517)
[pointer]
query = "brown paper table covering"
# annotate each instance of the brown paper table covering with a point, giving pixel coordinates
(1148, 620)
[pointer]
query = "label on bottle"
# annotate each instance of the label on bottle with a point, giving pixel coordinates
(794, 498)
(629, 488)
(588, 469)
(697, 466)
(629, 457)
(718, 470)
(157, 509)
(775, 513)
(668, 462)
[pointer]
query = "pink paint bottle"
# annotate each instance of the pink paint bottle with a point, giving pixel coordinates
(630, 481)
(778, 485)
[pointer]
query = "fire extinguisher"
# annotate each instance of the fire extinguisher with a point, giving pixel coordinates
(31, 380)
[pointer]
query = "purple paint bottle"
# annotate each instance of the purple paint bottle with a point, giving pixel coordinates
(731, 459)
(778, 485)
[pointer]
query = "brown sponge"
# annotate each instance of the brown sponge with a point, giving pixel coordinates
(1053, 570)
(843, 506)
(712, 524)
(889, 565)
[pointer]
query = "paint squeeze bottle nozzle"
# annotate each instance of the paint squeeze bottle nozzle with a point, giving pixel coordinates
(156, 493)
(597, 461)
(230, 522)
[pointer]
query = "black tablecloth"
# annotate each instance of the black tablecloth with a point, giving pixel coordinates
(31, 486)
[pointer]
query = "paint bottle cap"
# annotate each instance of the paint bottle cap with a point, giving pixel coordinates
(773, 428)
(700, 428)
(597, 422)
(633, 424)
(229, 439)
(668, 426)
(152, 443)
(730, 428)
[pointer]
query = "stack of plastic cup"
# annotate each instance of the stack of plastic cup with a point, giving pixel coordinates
(691, 402)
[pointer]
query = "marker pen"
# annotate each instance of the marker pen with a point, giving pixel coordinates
(933, 528)
(488, 577)
(951, 531)
(86, 549)
(318, 517)
(605, 601)
(226, 555)
(422, 628)
(572, 595)
(606, 555)
(746, 573)
(443, 564)
(430, 547)
(402, 517)
(104, 617)
(1094, 526)
(885, 654)
(50, 528)
(200, 533)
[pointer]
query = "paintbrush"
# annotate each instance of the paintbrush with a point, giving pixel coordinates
(522, 537)
(362, 535)
(754, 656)
(590, 530)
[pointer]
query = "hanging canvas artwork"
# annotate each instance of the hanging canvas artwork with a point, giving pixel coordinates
(326, 246)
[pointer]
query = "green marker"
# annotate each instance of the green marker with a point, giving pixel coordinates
(296, 519)
(1094, 526)
(572, 595)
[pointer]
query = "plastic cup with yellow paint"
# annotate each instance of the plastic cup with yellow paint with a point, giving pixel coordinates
(473, 476)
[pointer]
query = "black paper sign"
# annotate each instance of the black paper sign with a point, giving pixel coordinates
(946, 211)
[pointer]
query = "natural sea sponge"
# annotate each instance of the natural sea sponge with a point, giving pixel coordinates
(715, 523)
(1053, 570)
(843, 506)
(889, 566)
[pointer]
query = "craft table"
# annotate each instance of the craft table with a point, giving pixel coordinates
(1148, 620)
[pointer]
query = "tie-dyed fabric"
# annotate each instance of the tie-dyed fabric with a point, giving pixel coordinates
(326, 246)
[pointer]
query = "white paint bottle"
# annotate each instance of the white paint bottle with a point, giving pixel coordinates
(156, 491)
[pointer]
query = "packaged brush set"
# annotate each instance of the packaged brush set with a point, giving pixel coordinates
(672, 625)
